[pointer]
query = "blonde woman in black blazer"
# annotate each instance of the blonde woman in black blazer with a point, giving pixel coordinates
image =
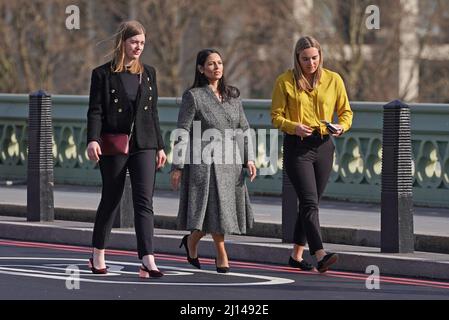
(123, 90)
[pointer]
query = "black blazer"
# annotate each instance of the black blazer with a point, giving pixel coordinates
(110, 111)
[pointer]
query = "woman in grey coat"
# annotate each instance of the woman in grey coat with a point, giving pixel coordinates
(213, 144)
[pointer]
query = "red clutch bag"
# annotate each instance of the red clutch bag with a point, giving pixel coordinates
(112, 144)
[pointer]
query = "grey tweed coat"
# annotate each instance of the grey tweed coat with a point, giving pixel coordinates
(213, 195)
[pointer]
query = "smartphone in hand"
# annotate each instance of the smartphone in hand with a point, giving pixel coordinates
(330, 127)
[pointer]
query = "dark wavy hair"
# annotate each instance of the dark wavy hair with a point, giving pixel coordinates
(226, 91)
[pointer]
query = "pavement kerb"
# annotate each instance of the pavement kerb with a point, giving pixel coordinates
(262, 250)
(330, 234)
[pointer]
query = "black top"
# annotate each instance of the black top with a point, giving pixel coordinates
(131, 84)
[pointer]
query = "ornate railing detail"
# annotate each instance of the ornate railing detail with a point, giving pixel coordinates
(356, 169)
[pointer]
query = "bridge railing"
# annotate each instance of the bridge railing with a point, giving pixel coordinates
(357, 164)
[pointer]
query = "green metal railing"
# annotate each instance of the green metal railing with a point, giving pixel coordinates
(357, 164)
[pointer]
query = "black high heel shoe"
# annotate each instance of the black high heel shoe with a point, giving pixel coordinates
(221, 269)
(95, 270)
(146, 273)
(193, 261)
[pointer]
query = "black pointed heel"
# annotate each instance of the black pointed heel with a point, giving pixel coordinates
(146, 273)
(95, 270)
(193, 261)
(221, 269)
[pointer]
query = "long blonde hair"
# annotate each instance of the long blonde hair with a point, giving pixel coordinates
(126, 30)
(301, 81)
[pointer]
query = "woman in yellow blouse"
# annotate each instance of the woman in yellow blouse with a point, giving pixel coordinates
(304, 102)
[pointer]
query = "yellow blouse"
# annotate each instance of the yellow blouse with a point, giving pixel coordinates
(290, 106)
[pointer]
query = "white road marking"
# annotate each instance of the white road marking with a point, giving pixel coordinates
(117, 270)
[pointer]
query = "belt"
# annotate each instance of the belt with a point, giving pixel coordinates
(317, 135)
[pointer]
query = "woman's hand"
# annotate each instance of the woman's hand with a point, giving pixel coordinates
(303, 131)
(252, 170)
(340, 130)
(161, 158)
(175, 178)
(93, 151)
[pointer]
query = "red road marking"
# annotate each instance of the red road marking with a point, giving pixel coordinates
(245, 265)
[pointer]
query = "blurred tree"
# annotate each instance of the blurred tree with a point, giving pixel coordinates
(406, 58)
(38, 51)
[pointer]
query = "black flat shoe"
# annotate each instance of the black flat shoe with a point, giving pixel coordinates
(193, 261)
(221, 269)
(303, 265)
(328, 260)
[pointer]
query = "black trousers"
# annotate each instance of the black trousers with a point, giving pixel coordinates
(142, 170)
(308, 165)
